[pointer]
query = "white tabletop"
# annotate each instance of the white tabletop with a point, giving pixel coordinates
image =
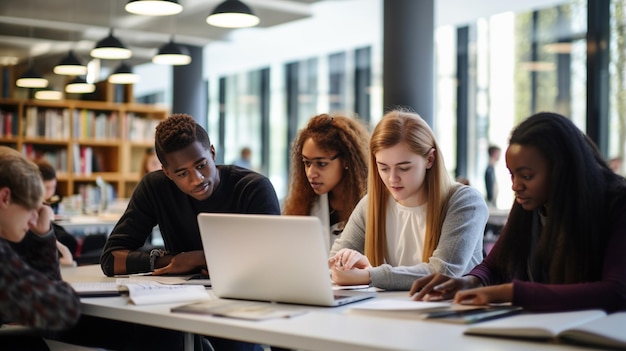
(320, 328)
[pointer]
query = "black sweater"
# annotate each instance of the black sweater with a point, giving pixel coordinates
(157, 201)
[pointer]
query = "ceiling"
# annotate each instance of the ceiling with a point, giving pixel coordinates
(45, 30)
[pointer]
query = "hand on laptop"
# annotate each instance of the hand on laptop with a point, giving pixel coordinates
(346, 259)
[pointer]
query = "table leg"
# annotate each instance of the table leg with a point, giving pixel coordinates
(188, 342)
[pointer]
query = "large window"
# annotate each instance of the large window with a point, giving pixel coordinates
(617, 122)
(518, 64)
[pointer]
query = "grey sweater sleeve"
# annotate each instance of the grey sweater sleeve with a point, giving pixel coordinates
(460, 246)
(353, 235)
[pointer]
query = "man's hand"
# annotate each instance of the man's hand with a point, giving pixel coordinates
(182, 263)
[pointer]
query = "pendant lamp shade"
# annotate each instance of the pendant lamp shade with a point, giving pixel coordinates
(48, 94)
(232, 14)
(70, 65)
(172, 54)
(111, 48)
(154, 7)
(123, 74)
(31, 79)
(79, 86)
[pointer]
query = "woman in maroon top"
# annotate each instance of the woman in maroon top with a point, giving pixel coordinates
(563, 245)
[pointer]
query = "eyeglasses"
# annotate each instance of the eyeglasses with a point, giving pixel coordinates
(319, 162)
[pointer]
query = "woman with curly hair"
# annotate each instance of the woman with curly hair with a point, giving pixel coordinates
(328, 173)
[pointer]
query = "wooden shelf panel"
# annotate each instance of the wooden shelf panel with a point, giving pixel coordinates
(115, 155)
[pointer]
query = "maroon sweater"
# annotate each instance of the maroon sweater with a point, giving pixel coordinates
(608, 293)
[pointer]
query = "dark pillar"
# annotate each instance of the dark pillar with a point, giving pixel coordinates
(265, 120)
(598, 30)
(408, 56)
(534, 57)
(292, 82)
(462, 99)
(221, 124)
(190, 95)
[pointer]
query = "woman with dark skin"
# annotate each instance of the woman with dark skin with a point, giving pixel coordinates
(563, 245)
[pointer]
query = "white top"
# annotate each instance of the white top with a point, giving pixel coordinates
(405, 236)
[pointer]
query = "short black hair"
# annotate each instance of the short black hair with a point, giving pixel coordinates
(177, 132)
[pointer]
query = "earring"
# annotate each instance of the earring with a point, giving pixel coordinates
(346, 167)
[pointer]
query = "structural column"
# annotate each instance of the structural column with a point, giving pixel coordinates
(598, 80)
(190, 90)
(408, 56)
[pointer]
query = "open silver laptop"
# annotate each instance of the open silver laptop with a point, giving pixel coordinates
(270, 258)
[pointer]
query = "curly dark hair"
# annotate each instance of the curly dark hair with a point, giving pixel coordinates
(177, 132)
(337, 134)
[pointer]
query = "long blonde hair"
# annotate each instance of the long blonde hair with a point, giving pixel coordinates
(399, 126)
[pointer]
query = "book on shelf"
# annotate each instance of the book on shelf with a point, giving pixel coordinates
(51, 123)
(589, 327)
(8, 124)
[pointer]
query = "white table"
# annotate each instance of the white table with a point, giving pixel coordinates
(320, 328)
(81, 225)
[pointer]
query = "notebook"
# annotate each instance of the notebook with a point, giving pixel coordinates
(270, 258)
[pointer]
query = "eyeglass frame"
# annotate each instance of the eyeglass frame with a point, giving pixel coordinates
(308, 163)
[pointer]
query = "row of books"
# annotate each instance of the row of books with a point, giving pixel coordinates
(137, 128)
(96, 197)
(54, 123)
(47, 123)
(90, 124)
(57, 157)
(88, 160)
(8, 124)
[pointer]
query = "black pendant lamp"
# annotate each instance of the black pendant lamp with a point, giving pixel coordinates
(154, 7)
(70, 66)
(232, 14)
(123, 74)
(172, 54)
(31, 79)
(48, 94)
(79, 86)
(111, 48)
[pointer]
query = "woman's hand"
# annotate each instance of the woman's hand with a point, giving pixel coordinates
(354, 276)
(437, 287)
(486, 295)
(347, 259)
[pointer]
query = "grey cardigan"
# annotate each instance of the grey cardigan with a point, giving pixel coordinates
(460, 246)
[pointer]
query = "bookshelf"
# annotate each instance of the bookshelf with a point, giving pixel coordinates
(84, 140)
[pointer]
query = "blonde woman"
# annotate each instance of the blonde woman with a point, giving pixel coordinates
(415, 220)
